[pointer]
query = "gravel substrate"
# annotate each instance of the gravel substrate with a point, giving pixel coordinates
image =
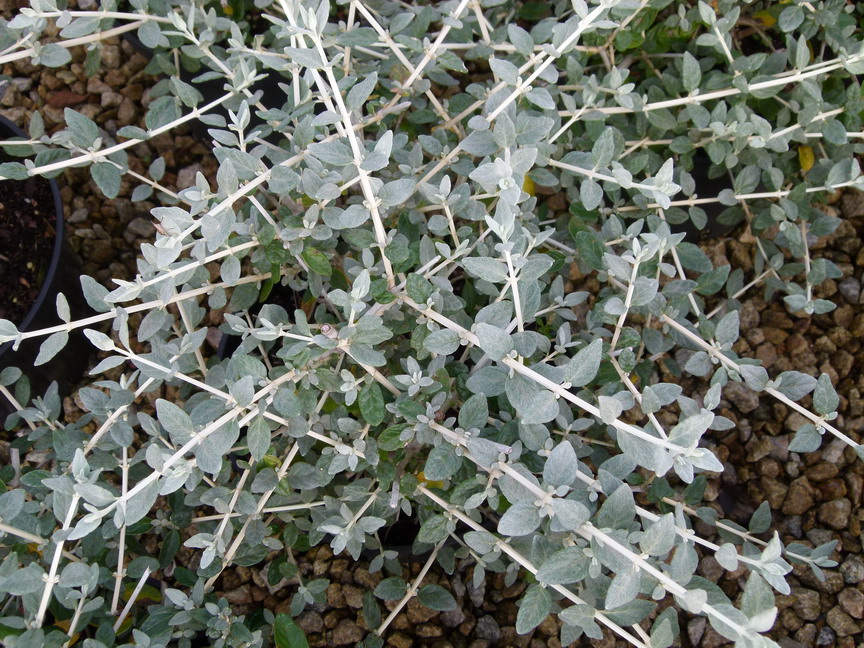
(815, 497)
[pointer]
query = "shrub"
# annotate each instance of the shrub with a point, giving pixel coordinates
(420, 347)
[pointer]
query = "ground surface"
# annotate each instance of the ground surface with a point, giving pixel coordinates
(814, 498)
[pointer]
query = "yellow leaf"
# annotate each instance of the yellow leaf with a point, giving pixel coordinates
(64, 625)
(765, 18)
(806, 157)
(431, 484)
(127, 623)
(528, 186)
(147, 593)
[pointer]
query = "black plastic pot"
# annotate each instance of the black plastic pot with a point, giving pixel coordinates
(280, 295)
(708, 187)
(400, 537)
(63, 275)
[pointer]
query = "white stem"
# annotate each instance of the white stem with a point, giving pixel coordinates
(412, 590)
(74, 42)
(529, 566)
(132, 599)
(556, 389)
(198, 438)
(137, 308)
(235, 496)
(452, 223)
(589, 173)
(119, 15)
(121, 543)
(94, 156)
(396, 49)
(15, 404)
(270, 509)
(514, 288)
(584, 24)
(740, 292)
(372, 202)
(634, 272)
(51, 579)
(818, 421)
(427, 56)
(690, 202)
(781, 79)
(73, 625)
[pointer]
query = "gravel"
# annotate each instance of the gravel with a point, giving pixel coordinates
(487, 628)
(835, 513)
(816, 497)
(826, 637)
(853, 570)
(799, 498)
(850, 288)
(346, 632)
(852, 601)
(842, 623)
(742, 397)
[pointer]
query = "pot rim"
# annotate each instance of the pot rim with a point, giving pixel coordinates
(59, 233)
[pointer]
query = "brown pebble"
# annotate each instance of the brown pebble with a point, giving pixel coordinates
(806, 636)
(346, 632)
(822, 471)
(127, 113)
(111, 99)
(239, 596)
(799, 498)
(835, 513)
(419, 613)
(366, 580)
(842, 623)
(832, 489)
(767, 353)
(401, 622)
(852, 600)
(790, 620)
(353, 596)
(843, 362)
(429, 630)
(134, 91)
(855, 484)
(399, 640)
(334, 595)
(857, 327)
(806, 603)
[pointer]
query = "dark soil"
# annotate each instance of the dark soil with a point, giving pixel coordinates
(27, 231)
